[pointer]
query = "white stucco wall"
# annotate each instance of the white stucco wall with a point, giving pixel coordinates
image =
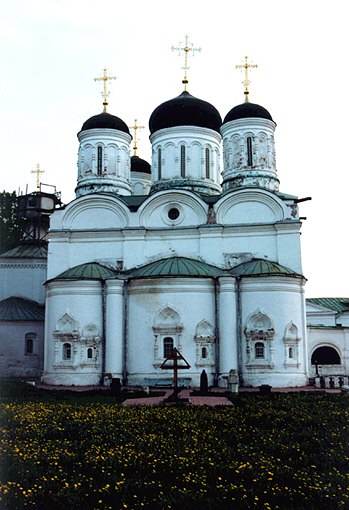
(14, 361)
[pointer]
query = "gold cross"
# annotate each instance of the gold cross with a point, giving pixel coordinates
(38, 171)
(246, 81)
(135, 127)
(186, 48)
(105, 93)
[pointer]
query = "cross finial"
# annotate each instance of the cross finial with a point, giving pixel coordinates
(105, 93)
(188, 47)
(135, 127)
(246, 81)
(38, 171)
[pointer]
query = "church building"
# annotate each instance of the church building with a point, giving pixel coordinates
(199, 250)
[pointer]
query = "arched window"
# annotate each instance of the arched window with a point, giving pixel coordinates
(168, 346)
(259, 350)
(66, 351)
(249, 151)
(325, 356)
(29, 343)
(204, 352)
(159, 163)
(89, 353)
(207, 163)
(182, 161)
(99, 160)
(290, 352)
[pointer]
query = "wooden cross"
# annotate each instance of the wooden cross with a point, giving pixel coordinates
(246, 81)
(135, 127)
(186, 48)
(175, 356)
(105, 93)
(38, 171)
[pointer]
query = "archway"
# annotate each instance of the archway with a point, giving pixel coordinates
(325, 355)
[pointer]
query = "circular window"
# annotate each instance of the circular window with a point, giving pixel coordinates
(173, 213)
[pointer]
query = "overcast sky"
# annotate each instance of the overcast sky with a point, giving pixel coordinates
(52, 49)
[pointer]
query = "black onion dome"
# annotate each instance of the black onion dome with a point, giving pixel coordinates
(140, 165)
(105, 120)
(246, 110)
(185, 110)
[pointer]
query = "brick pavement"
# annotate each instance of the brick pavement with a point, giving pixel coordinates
(197, 400)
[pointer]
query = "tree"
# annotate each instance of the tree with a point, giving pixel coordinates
(10, 227)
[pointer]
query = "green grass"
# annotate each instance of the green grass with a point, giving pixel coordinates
(279, 451)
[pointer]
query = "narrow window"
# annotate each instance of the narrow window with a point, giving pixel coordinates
(249, 151)
(66, 351)
(29, 343)
(207, 163)
(259, 350)
(89, 353)
(290, 352)
(99, 161)
(204, 353)
(159, 163)
(168, 346)
(182, 161)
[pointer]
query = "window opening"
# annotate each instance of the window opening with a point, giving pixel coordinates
(249, 151)
(290, 352)
(100, 161)
(159, 164)
(204, 353)
(207, 163)
(168, 346)
(259, 350)
(173, 213)
(182, 161)
(89, 353)
(29, 344)
(66, 351)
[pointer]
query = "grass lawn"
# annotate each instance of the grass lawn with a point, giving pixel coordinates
(279, 451)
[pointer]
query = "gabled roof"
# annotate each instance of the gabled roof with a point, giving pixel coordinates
(88, 271)
(334, 304)
(21, 309)
(261, 267)
(26, 251)
(176, 266)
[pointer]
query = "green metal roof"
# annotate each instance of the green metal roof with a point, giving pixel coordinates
(88, 271)
(26, 251)
(261, 267)
(21, 309)
(176, 266)
(337, 304)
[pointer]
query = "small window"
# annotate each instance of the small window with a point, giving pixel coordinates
(168, 346)
(66, 351)
(182, 161)
(89, 353)
(100, 161)
(173, 213)
(159, 163)
(259, 350)
(207, 163)
(290, 352)
(29, 343)
(204, 352)
(249, 151)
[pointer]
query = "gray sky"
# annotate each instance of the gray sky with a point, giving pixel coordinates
(52, 49)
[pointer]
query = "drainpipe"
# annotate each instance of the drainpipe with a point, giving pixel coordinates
(104, 329)
(125, 335)
(216, 318)
(239, 329)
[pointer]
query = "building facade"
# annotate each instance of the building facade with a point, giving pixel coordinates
(183, 253)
